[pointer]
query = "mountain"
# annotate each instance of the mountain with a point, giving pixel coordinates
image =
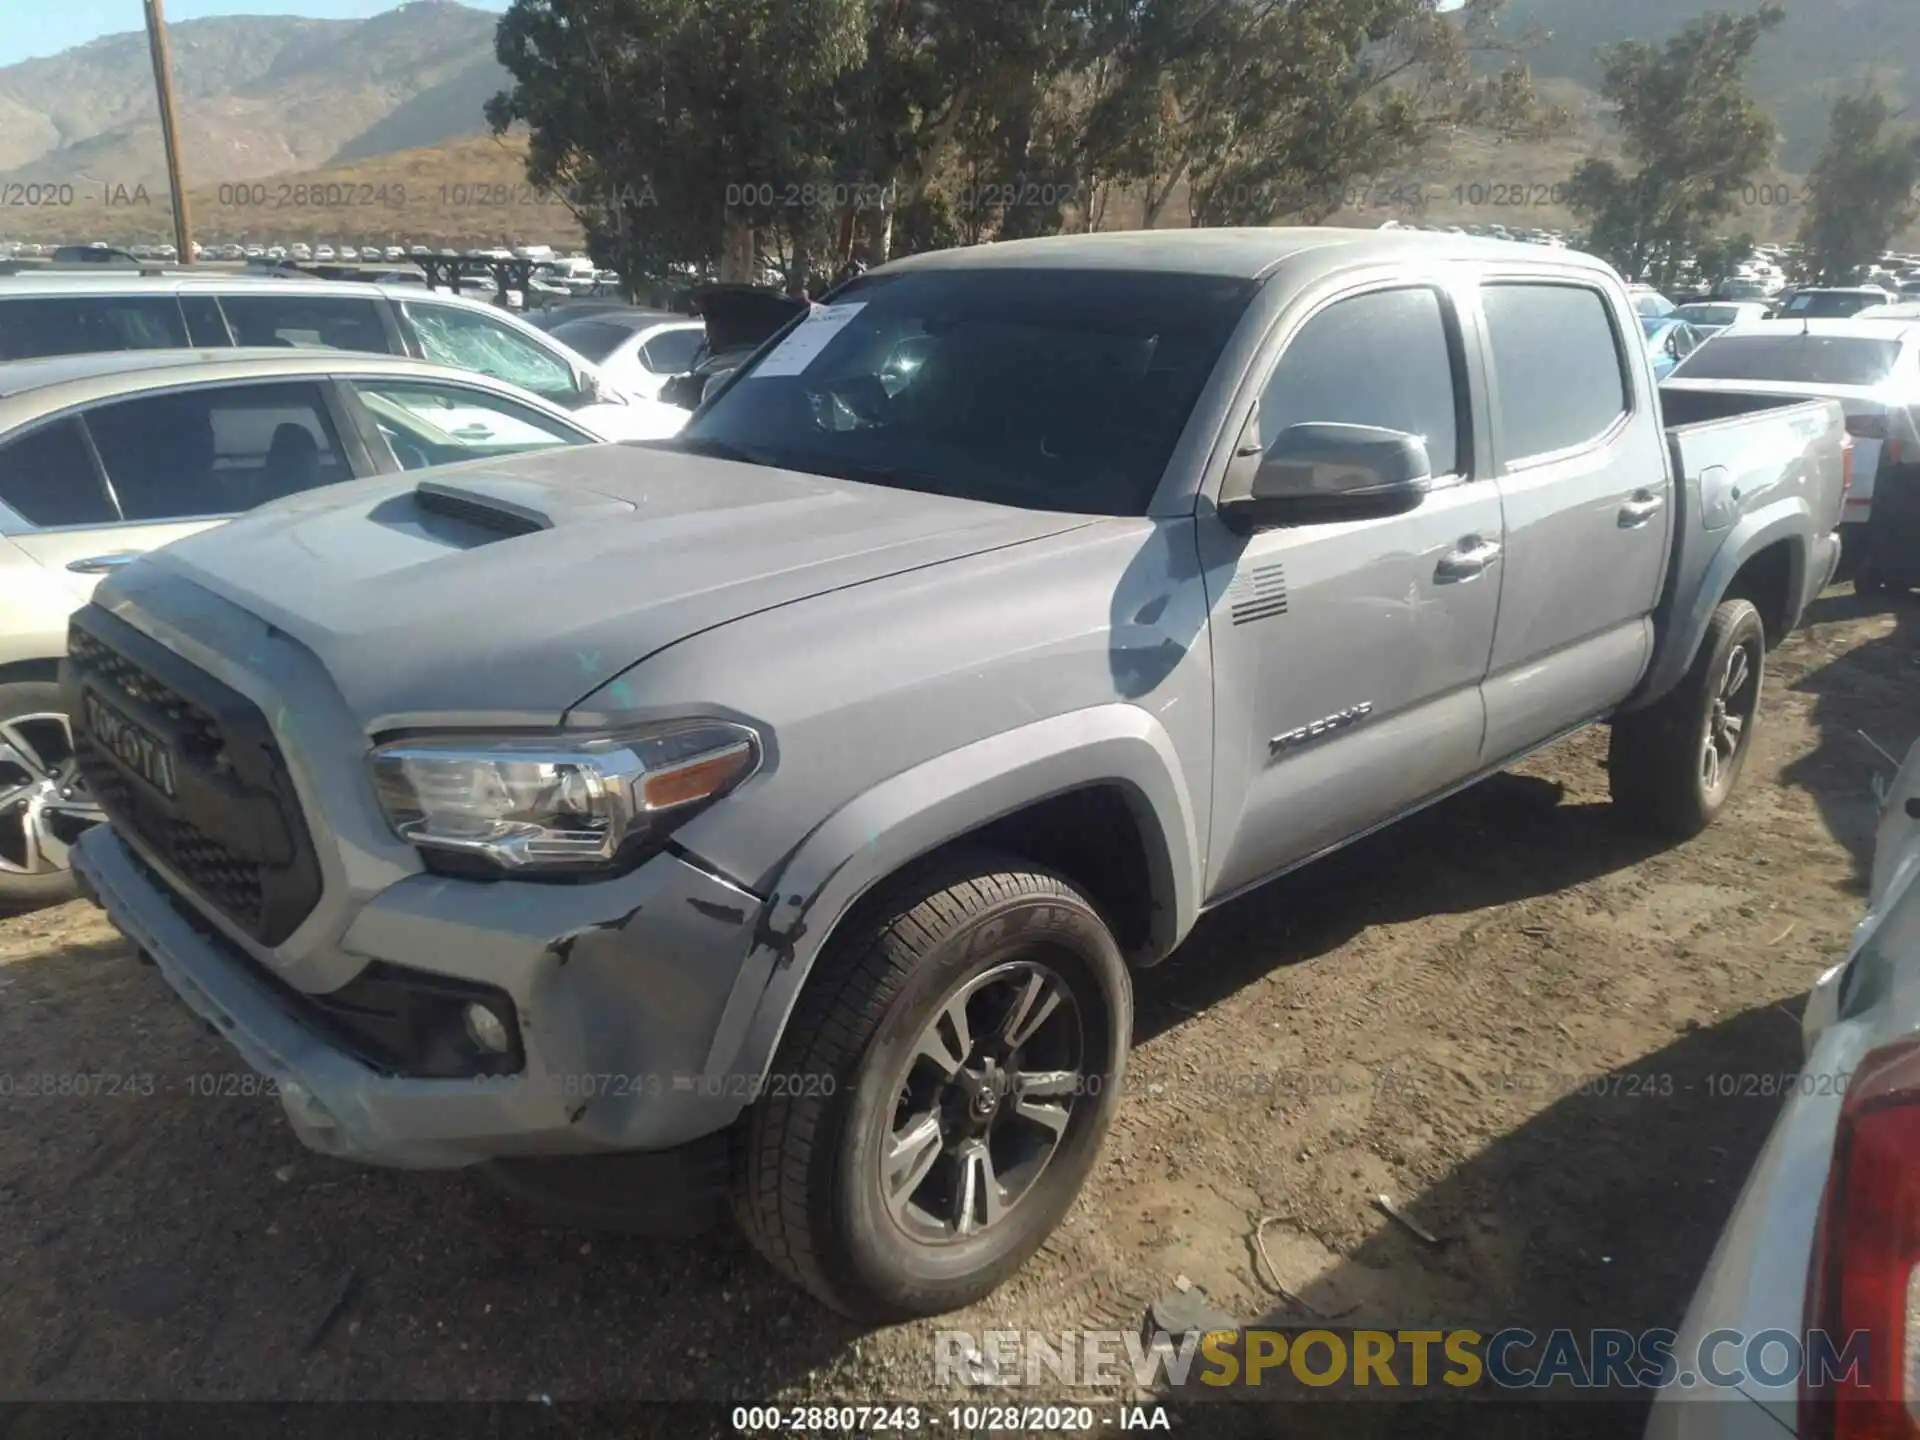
(1824, 48)
(257, 96)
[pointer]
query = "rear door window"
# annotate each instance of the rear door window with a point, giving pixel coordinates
(217, 450)
(33, 326)
(1556, 365)
(47, 476)
(309, 322)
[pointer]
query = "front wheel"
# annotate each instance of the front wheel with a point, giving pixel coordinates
(43, 804)
(1672, 766)
(941, 1091)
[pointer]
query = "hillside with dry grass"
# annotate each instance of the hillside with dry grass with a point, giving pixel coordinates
(472, 190)
(256, 95)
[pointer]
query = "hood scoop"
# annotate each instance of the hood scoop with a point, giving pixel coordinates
(502, 508)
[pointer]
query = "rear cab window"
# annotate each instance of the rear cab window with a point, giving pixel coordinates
(1558, 366)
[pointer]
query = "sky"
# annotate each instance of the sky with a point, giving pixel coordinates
(31, 28)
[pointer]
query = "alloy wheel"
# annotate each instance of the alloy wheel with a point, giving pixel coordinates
(986, 1098)
(44, 805)
(1730, 717)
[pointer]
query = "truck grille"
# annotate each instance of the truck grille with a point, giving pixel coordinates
(204, 786)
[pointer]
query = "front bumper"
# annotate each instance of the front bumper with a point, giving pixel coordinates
(624, 990)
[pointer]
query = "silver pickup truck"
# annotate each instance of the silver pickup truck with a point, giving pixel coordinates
(781, 809)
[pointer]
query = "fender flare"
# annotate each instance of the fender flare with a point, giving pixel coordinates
(1788, 520)
(919, 810)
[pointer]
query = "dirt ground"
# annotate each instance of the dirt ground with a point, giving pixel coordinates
(1425, 1015)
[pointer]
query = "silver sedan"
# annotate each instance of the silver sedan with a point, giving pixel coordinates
(1822, 1246)
(104, 457)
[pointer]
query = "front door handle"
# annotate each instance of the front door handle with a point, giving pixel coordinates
(100, 564)
(1468, 560)
(1639, 510)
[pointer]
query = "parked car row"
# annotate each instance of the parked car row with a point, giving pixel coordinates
(825, 771)
(106, 456)
(100, 250)
(56, 314)
(136, 410)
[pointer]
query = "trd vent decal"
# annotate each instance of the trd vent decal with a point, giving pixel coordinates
(1258, 593)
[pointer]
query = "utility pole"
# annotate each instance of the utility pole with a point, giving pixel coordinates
(169, 128)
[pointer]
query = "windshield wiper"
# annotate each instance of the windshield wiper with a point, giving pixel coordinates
(895, 476)
(721, 450)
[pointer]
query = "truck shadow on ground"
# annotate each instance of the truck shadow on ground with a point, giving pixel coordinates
(1862, 701)
(1507, 839)
(1598, 1212)
(164, 1236)
(172, 1239)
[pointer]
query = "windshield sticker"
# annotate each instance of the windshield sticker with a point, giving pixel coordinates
(805, 342)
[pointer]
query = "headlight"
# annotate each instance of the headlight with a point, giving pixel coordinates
(558, 804)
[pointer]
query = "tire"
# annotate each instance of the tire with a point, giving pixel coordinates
(37, 820)
(1658, 766)
(857, 1071)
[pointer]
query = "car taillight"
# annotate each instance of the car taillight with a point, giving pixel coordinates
(1846, 468)
(1862, 1276)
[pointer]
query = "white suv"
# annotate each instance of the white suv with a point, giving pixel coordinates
(68, 314)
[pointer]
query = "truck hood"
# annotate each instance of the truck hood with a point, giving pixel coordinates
(503, 591)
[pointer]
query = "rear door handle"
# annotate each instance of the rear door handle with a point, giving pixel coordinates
(1470, 559)
(100, 564)
(1639, 510)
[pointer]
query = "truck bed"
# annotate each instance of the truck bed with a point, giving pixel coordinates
(1746, 466)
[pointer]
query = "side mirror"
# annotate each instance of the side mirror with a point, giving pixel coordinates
(1673, 344)
(1327, 472)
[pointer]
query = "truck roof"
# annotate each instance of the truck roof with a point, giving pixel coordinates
(1247, 254)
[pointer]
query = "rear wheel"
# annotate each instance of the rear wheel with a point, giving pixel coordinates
(44, 806)
(942, 1091)
(1672, 767)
